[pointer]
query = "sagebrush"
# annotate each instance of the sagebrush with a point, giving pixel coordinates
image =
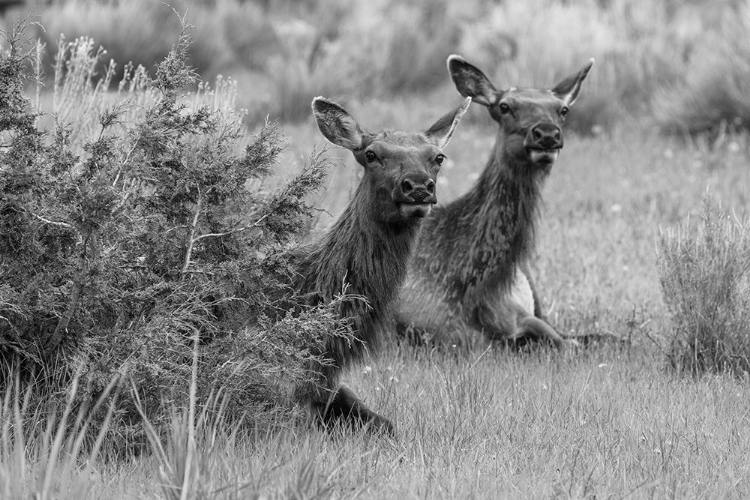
(703, 269)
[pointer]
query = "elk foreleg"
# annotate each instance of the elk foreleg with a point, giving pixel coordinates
(333, 404)
(344, 407)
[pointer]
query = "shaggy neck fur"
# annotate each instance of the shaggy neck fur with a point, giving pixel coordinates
(371, 258)
(480, 238)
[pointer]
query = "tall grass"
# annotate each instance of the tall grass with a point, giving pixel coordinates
(705, 275)
(46, 452)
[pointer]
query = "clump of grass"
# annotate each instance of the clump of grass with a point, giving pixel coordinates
(706, 286)
(46, 451)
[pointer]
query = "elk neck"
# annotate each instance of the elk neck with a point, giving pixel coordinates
(483, 235)
(508, 193)
(369, 256)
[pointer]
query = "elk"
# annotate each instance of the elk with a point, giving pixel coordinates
(368, 248)
(470, 274)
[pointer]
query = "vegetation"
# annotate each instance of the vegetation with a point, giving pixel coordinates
(679, 63)
(130, 242)
(622, 249)
(704, 274)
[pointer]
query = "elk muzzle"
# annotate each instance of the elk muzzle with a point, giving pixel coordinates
(415, 194)
(543, 142)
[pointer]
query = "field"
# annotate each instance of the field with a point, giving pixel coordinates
(600, 422)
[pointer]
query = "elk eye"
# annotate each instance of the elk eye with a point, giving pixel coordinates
(439, 159)
(370, 156)
(504, 108)
(564, 111)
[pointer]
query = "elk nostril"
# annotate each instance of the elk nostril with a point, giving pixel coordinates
(430, 185)
(407, 186)
(537, 133)
(557, 135)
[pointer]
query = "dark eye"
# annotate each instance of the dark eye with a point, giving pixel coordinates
(370, 156)
(504, 108)
(439, 159)
(564, 111)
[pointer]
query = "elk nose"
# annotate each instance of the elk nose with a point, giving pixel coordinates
(546, 135)
(420, 190)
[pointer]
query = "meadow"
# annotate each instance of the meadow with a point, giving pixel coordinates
(651, 148)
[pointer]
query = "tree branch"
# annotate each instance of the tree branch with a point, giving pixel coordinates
(75, 297)
(192, 239)
(233, 231)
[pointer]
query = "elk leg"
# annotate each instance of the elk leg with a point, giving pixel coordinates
(535, 328)
(343, 406)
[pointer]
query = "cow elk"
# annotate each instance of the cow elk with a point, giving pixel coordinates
(368, 248)
(470, 273)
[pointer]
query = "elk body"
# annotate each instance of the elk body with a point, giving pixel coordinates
(469, 275)
(368, 247)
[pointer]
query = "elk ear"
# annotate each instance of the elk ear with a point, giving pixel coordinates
(336, 124)
(568, 89)
(471, 82)
(440, 133)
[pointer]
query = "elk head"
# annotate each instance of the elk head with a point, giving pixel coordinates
(400, 167)
(530, 119)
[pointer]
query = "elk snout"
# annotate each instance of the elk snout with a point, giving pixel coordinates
(415, 194)
(418, 190)
(544, 135)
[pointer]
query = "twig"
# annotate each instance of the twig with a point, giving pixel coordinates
(47, 221)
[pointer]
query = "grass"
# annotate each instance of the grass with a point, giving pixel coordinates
(493, 425)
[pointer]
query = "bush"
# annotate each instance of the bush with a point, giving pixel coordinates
(705, 281)
(714, 93)
(129, 242)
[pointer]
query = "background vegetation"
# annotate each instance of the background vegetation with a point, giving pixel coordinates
(625, 247)
(681, 63)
